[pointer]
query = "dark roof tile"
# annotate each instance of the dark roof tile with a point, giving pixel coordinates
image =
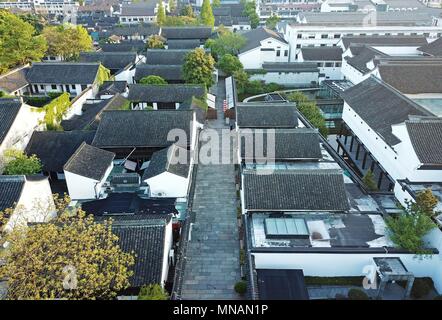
(11, 188)
(63, 73)
(9, 109)
(89, 162)
(164, 93)
(426, 139)
(266, 115)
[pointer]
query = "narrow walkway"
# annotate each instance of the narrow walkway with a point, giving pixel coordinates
(212, 257)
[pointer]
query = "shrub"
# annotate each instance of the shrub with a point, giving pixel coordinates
(369, 181)
(152, 292)
(241, 287)
(421, 287)
(357, 294)
(17, 163)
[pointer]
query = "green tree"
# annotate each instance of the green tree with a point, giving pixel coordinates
(187, 11)
(198, 68)
(227, 42)
(18, 163)
(408, 229)
(241, 80)
(369, 181)
(161, 14)
(272, 21)
(172, 5)
(155, 41)
(36, 20)
(153, 292)
(250, 11)
(216, 3)
(19, 43)
(229, 64)
(67, 41)
(426, 202)
(206, 14)
(310, 111)
(177, 21)
(55, 110)
(152, 80)
(70, 251)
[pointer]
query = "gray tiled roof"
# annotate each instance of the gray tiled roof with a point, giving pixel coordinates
(433, 48)
(413, 77)
(141, 128)
(290, 67)
(426, 138)
(295, 190)
(266, 116)
(11, 188)
(385, 40)
(167, 72)
(186, 32)
(363, 56)
(169, 56)
(63, 73)
(139, 9)
(183, 44)
(255, 36)
(290, 144)
(112, 87)
(54, 148)
(381, 106)
(322, 53)
(111, 60)
(164, 93)
(141, 30)
(89, 162)
(8, 112)
(136, 46)
(13, 80)
(165, 161)
(146, 238)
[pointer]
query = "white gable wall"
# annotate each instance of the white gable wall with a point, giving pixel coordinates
(35, 204)
(168, 185)
(82, 188)
(26, 121)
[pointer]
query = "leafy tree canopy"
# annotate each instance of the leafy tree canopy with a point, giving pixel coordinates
(229, 64)
(272, 21)
(18, 163)
(198, 68)
(161, 14)
(152, 80)
(226, 43)
(250, 11)
(206, 16)
(19, 43)
(408, 229)
(67, 40)
(425, 202)
(187, 10)
(70, 257)
(216, 3)
(155, 42)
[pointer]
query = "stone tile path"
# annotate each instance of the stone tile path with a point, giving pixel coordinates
(212, 257)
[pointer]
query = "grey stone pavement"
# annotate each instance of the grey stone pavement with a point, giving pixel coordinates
(212, 257)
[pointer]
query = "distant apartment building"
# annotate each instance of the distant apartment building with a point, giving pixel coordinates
(45, 7)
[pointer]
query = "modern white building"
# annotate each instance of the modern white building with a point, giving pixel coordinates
(45, 7)
(326, 29)
(391, 135)
(86, 172)
(144, 12)
(263, 45)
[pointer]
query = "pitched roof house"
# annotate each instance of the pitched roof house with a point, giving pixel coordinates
(170, 73)
(62, 77)
(250, 115)
(140, 133)
(86, 171)
(114, 61)
(14, 82)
